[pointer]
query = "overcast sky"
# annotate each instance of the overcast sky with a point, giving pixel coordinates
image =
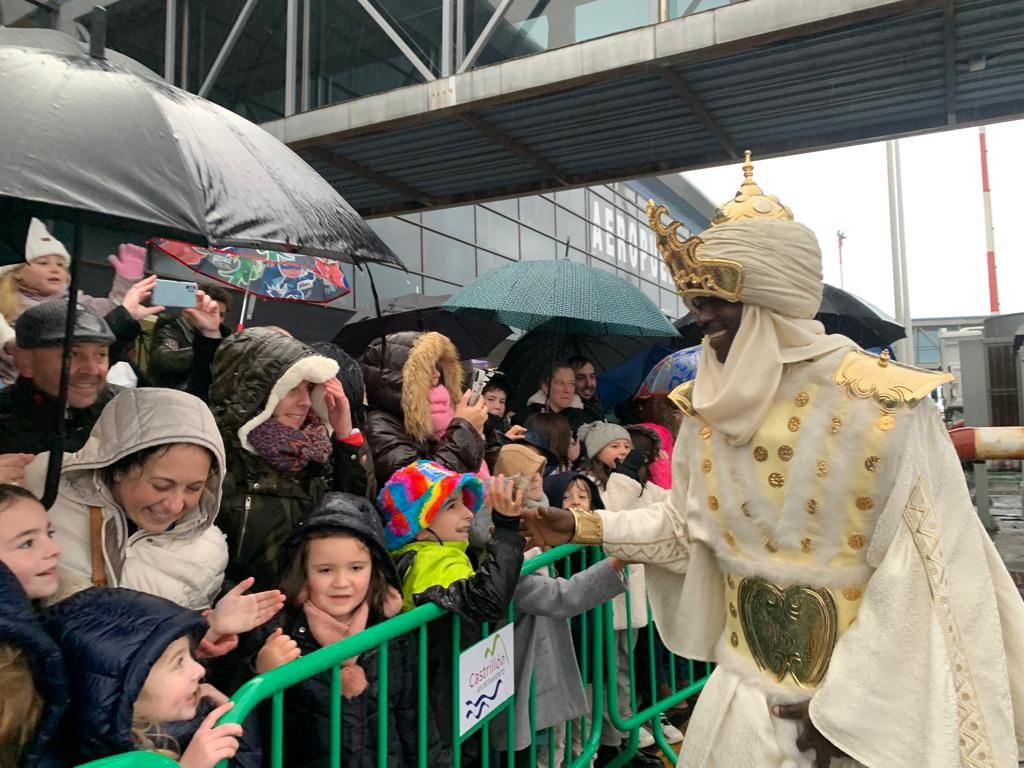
(846, 189)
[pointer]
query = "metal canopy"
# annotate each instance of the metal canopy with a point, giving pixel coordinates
(775, 76)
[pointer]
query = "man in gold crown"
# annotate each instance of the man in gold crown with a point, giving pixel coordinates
(835, 570)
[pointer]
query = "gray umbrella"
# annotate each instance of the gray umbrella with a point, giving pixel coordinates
(92, 136)
(109, 140)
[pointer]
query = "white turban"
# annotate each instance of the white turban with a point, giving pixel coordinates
(781, 293)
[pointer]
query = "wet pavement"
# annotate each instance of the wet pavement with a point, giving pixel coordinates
(1006, 509)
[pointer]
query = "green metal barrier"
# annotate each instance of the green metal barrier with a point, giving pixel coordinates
(597, 658)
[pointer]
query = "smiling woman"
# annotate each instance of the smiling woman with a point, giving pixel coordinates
(150, 474)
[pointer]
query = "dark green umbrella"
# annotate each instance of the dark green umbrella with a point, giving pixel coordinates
(584, 300)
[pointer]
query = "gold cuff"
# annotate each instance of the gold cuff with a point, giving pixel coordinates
(589, 527)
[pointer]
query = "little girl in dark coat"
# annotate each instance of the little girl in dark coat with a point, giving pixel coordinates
(340, 581)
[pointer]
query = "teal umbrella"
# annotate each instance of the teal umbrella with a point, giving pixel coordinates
(584, 300)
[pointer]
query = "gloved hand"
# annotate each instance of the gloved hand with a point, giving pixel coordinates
(632, 465)
(129, 261)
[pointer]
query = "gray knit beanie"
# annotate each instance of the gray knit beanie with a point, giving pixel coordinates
(598, 434)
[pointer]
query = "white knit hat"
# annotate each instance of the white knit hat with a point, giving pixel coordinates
(40, 243)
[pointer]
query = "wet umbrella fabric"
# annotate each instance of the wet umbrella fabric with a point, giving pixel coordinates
(528, 359)
(271, 274)
(621, 382)
(675, 369)
(472, 335)
(110, 141)
(840, 312)
(585, 300)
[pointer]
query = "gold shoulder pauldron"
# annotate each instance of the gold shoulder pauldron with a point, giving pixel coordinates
(871, 376)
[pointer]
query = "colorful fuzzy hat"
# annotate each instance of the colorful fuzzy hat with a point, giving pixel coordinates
(415, 494)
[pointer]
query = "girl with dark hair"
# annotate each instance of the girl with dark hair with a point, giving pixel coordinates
(340, 580)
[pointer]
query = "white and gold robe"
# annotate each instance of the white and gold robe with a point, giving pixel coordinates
(846, 490)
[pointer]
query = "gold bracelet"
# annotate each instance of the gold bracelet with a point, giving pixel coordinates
(589, 527)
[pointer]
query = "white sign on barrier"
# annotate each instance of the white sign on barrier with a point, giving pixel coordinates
(486, 677)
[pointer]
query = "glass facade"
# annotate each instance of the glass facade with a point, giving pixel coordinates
(341, 52)
(604, 226)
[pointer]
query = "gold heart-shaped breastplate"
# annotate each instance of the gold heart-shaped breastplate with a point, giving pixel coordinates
(791, 631)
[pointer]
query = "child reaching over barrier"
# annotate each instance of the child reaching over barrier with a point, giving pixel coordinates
(428, 511)
(340, 580)
(135, 684)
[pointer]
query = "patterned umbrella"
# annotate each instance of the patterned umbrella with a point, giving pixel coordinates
(583, 300)
(271, 274)
(676, 369)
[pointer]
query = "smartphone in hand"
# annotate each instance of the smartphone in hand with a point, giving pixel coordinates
(174, 293)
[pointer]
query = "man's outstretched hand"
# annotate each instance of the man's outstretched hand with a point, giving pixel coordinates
(810, 737)
(548, 526)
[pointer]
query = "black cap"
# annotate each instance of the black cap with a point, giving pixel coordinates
(43, 326)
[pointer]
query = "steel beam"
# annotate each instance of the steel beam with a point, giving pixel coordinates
(446, 38)
(183, 81)
(397, 39)
(676, 82)
(229, 45)
(505, 141)
(291, 53)
(460, 32)
(357, 169)
(304, 75)
(170, 32)
(949, 46)
(485, 36)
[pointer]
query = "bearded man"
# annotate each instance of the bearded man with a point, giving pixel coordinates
(835, 570)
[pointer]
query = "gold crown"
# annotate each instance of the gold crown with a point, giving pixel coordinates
(721, 278)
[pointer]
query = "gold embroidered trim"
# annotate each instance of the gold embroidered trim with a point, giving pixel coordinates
(865, 375)
(589, 527)
(975, 745)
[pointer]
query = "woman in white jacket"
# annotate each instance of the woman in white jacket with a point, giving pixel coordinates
(136, 506)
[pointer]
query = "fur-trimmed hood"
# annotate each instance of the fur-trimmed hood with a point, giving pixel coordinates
(398, 369)
(253, 370)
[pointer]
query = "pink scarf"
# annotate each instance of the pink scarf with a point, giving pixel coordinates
(327, 630)
(441, 413)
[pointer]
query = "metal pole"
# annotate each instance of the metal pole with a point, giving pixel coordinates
(910, 353)
(228, 47)
(663, 10)
(894, 238)
(291, 55)
(840, 236)
(170, 32)
(183, 82)
(460, 32)
(306, 26)
(446, 38)
(990, 243)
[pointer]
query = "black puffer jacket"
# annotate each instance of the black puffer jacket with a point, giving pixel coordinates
(20, 628)
(307, 705)
(111, 638)
(28, 415)
(398, 370)
(261, 505)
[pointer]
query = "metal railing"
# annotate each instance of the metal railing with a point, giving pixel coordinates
(597, 660)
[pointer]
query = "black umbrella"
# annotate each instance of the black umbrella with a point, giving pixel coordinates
(473, 336)
(529, 359)
(106, 138)
(93, 137)
(840, 312)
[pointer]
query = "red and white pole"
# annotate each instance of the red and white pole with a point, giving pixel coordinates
(990, 245)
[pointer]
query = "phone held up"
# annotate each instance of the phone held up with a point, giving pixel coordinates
(174, 293)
